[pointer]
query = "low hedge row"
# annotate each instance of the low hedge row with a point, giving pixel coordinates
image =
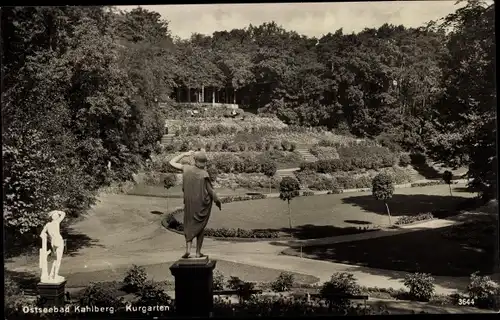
(241, 146)
(242, 163)
(350, 164)
(248, 125)
(226, 145)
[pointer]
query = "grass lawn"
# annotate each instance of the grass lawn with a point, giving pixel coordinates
(330, 215)
(161, 273)
(451, 251)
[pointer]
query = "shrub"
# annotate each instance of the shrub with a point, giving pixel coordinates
(324, 153)
(447, 176)
(218, 280)
(309, 166)
(135, 278)
(346, 182)
(151, 294)
(268, 167)
(259, 146)
(322, 183)
(251, 165)
(242, 146)
(169, 181)
(293, 147)
(308, 193)
(243, 288)
(335, 190)
(421, 286)
(411, 219)
(484, 291)
(224, 163)
(340, 284)
(325, 166)
(285, 145)
(383, 189)
(212, 172)
(404, 160)
(289, 189)
(99, 295)
(14, 300)
(284, 282)
(233, 147)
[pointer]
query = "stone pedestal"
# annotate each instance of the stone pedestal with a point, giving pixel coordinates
(193, 287)
(52, 294)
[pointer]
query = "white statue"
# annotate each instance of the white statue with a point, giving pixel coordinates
(52, 229)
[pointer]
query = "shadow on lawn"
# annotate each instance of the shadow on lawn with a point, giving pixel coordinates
(421, 251)
(357, 222)
(406, 204)
(29, 245)
(310, 231)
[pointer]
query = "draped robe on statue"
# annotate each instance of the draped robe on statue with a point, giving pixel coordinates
(198, 199)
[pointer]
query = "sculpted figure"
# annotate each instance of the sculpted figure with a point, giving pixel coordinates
(52, 230)
(199, 196)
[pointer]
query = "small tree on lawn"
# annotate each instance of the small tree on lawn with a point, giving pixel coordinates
(447, 176)
(289, 189)
(383, 189)
(212, 173)
(269, 168)
(168, 183)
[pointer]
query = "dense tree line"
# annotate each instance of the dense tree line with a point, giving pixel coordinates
(81, 87)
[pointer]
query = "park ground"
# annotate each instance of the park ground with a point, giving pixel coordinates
(122, 230)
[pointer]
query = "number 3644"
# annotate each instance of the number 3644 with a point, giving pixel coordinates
(465, 302)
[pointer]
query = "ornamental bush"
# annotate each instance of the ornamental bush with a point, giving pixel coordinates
(421, 286)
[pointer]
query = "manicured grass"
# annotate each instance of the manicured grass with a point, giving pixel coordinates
(330, 215)
(431, 251)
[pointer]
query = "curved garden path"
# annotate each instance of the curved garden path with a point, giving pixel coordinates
(123, 234)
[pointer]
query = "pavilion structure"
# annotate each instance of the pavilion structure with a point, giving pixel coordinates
(208, 95)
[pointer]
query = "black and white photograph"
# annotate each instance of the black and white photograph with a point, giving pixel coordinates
(250, 160)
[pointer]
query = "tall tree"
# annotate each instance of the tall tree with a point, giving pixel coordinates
(464, 132)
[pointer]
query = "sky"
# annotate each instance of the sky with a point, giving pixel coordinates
(311, 19)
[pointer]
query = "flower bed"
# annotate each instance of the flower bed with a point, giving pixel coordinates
(350, 156)
(427, 183)
(324, 153)
(412, 219)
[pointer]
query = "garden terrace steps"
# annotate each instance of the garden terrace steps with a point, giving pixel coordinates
(304, 152)
(167, 138)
